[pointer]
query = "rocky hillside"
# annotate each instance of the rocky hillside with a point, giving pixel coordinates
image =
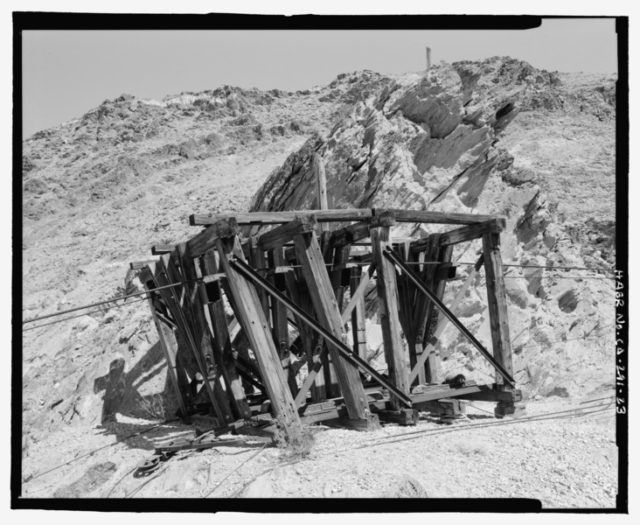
(497, 136)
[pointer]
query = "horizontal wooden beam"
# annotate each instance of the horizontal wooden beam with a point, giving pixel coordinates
(285, 233)
(280, 217)
(472, 231)
(340, 215)
(161, 249)
(466, 233)
(435, 217)
(349, 234)
(138, 265)
(207, 238)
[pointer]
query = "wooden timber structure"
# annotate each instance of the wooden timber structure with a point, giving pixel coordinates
(266, 327)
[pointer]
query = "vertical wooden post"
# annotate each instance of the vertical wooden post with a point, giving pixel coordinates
(251, 316)
(397, 360)
(176, 300)
(223, 352)
(257, 261)
(420, 323)
(428, 58)
(279, 319)
(311, 342)
(321, 185)
(324, 302)
(434, 366)
(497, 300)
(358, 319)
(167, 342)
(193, 310)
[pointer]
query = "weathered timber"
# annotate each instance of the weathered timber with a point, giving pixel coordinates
(497, 300)
(254, 323)
(312, 343)
(169, 274)
(442, 324)
(280, 323)
(321, 184)
(463, 234)
(357, 296)
(139, 265)
(194, 304)
(167, 342)
(389, 319)
(435, 217)
(314, 368)
(281, 217)
(340, 215)
(257, 259)
(389, 254)
(206, 239)
(223, 351)
(350, 234)
(421, 315)
(434, 367)
(162, 249)
(358, 320)
(406, 307)
(339, 283)
(280, 235)
(403, 417)
(326, 307)
(472, 231)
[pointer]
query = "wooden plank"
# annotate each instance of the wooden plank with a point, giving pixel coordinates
(223, 351)
(406, 307)
(257, 258)
(339, 284)
(320, 177)
(280, 322)
(161, 249)
(472, 231)
(139, 265)
(202, 332)
(435, 217)
(168, 274)
(167, 342)
(282, 234)
(434, 366)
(254, 323)
(442, 325)
(206, 239)
(421, 313)
(357, 296)
(389, 319)
(313, 371)
(281, 217)
(311, 342)
(358, 319)
(328, 313)
(350, 234)
(496, 297)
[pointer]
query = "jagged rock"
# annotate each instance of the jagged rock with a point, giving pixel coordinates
(517, 292)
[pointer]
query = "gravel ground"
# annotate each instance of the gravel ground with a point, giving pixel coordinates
(564, 462)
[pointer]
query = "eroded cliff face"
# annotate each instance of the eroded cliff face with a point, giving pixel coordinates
(435, 142)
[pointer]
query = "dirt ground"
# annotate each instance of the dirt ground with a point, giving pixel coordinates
(567, 461)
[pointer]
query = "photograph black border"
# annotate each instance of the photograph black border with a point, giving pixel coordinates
(102, 21)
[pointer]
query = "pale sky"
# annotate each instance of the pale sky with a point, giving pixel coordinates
(66, 73)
